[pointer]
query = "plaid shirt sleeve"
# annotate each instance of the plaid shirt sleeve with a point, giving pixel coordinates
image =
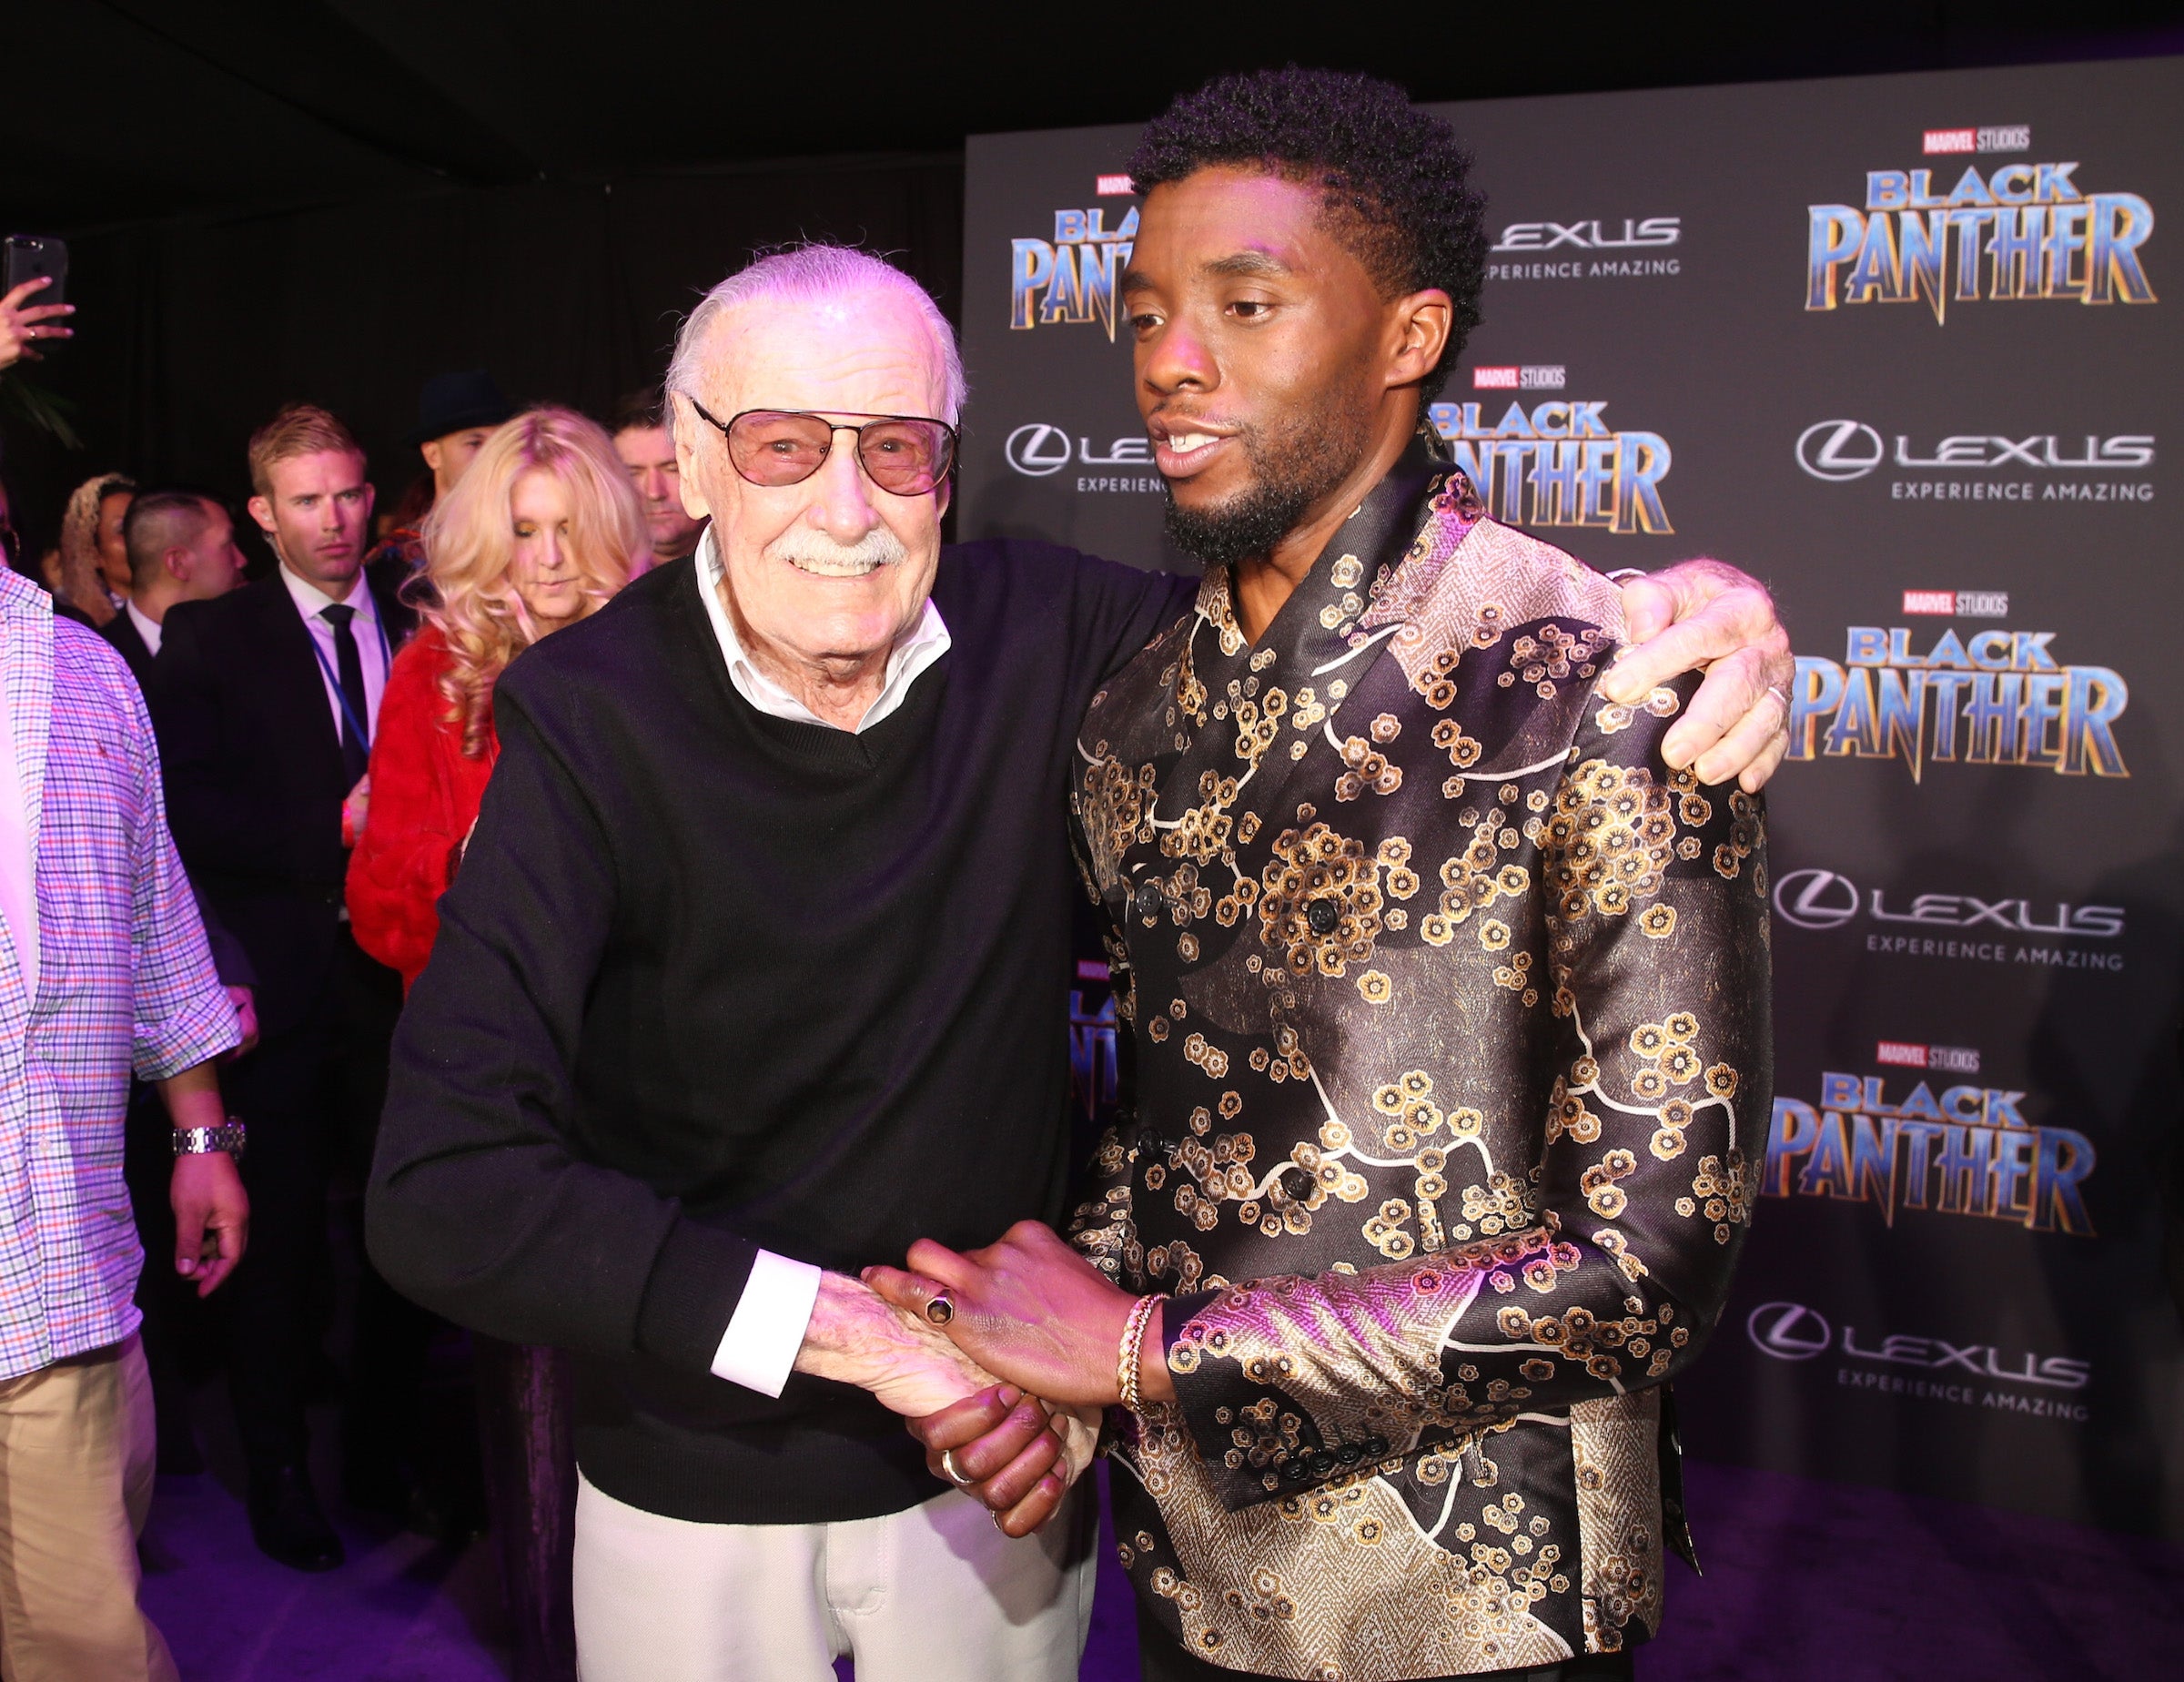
(125, 980)
(183, 1015)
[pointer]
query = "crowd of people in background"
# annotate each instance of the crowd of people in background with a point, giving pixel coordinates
(315, 862)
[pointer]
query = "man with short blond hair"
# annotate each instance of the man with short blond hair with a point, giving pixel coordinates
(298, 430)
(266, 701)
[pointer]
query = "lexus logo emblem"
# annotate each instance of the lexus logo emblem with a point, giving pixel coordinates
(1816, 898)
(1788, 1330)
(1840, 449)
(1038, 450)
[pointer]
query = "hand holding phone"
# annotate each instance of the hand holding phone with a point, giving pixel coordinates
(35, 273)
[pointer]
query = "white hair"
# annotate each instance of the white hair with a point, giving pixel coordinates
(811, 274)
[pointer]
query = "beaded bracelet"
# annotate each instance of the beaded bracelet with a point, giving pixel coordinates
(1128, 1357)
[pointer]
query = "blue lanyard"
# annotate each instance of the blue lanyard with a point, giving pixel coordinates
(334, 677)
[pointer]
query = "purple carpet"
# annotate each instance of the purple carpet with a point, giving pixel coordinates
(1804, 1581)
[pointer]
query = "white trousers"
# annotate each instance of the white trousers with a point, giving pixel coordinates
(933, 1594)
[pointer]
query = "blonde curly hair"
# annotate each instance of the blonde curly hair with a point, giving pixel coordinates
(469, 542)
(81, 581)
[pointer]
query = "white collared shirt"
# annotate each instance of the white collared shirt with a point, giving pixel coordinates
(150, 630)
(373, 648)
(907, 662)
(759, 1348)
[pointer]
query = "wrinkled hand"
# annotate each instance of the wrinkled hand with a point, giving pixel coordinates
(1705, 616)
(1028, 1309)
(21, 323)
(856, 1338)
(246, 1021)
(1019, 1459)
(212, 1217)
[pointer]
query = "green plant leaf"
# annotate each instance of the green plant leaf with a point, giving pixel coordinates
(25, 400)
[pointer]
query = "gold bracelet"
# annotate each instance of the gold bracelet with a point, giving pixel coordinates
(1128, 1357)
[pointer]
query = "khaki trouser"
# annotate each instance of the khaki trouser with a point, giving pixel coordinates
(77, 1451)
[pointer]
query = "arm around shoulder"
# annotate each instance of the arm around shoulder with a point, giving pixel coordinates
(1120, 609)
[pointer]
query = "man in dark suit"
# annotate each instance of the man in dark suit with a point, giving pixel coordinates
(265, 700)
(181, 547)
(133, 646)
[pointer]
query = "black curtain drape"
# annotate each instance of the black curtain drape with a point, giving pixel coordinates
(191, 333)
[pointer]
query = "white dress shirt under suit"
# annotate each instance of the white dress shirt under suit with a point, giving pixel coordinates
(373, 649)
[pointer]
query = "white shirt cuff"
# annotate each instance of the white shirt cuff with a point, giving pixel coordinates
(759, 1348)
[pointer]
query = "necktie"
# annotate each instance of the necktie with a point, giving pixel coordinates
(356, 753)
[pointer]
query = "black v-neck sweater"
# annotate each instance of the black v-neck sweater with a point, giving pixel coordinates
(710, 981)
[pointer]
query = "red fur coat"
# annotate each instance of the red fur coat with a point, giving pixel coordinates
(424, 799)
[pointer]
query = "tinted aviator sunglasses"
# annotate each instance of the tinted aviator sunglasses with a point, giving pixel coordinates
(907, 455)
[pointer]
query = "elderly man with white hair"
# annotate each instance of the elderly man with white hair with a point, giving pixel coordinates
(756, 971)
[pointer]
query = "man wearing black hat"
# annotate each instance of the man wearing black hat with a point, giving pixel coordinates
(456, 413)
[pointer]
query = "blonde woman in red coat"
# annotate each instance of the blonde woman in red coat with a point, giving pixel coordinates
(542, 528)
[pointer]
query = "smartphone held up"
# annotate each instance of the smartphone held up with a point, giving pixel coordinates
(34, 307)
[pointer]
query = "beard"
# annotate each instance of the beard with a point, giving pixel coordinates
(1292, 467)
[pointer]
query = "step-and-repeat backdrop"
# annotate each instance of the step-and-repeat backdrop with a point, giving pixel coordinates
(1901, 347)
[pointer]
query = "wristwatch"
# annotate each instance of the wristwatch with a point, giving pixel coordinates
(198, 1140)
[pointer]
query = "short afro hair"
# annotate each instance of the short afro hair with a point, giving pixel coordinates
(1395, 181)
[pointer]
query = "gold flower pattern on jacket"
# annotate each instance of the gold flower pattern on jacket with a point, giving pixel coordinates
(1309, 872)
(1449, 1008)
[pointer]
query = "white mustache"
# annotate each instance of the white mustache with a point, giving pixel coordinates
(815, 552)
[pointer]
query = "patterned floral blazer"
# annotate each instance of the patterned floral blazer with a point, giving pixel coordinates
(1449, 1019)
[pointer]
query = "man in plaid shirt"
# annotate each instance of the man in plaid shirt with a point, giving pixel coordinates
(104, 970)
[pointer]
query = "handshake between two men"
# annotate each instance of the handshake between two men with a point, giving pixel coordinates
(1000, 1360)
